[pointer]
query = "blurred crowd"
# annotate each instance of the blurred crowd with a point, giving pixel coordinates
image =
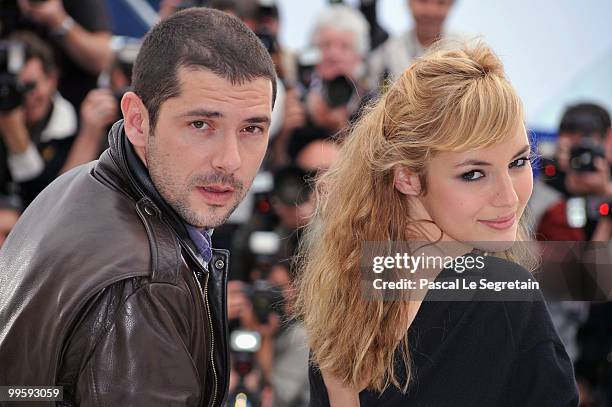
(62, 75)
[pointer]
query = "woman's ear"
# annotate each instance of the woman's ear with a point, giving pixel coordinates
(406, 181)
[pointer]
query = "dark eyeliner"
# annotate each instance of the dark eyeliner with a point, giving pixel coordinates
(526, 160)
(463, 176)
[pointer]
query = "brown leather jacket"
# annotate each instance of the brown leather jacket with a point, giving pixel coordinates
(103, 292)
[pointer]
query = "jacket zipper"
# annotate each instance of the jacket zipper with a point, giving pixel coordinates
(212, 341)
(212, 335)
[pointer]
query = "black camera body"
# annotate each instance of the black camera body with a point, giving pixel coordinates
(243, 346)
(583, 155)
(338, 91)
(268, 40)
(265, 298)
(12, 59)
(581, 210)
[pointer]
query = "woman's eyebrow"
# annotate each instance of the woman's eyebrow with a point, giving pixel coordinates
(523, 150)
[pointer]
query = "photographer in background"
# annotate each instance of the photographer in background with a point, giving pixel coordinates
(336, 88)
(582, 169)
(581, 176)
(37, 125)
(252, 326)
(395, 55)
(342, 37)
(100, 109)
(265, 254)
(79, 32)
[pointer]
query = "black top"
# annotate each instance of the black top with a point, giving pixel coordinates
(479, 353)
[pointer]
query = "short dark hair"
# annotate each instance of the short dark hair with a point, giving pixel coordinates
(36, 48)
(587, 119)
(197, 37)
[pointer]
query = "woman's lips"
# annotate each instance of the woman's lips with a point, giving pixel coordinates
(500, 223)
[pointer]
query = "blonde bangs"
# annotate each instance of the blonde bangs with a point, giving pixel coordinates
(487, 114)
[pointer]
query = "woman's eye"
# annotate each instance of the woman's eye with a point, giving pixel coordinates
(520, 162)
(472, 175)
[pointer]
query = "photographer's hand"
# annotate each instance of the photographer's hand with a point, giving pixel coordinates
(603, 230)
(98, 111)
(332, 119)
(50, 13)
(91, 50)
(168, 7)
(237, 302)
(24, 161)
(14, 131)
(294, 115)
(591, 183)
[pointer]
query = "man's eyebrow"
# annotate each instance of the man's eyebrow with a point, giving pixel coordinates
(258, 120)
(202, 113)
(484, 163)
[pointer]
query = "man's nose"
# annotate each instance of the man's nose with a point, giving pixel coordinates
(227, 157)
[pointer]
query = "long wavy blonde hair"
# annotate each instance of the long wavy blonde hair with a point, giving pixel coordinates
(448, 100)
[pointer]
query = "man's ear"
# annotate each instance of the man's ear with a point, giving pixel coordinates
(54, 78)
(608, 144)
(135, 120)
(406, 181)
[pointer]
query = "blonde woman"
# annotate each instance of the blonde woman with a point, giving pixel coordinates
(442, 156)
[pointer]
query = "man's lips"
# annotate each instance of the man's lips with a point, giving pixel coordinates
(216, 194)
(218, 188)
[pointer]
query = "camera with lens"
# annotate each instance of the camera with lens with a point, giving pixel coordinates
(243, 346)
(580, 210)
(265, 298)
(584, 154)
(12, 91)
(293, 185)
(268, 40)
(338, 91)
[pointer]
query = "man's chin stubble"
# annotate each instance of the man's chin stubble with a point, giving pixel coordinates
(209, 221)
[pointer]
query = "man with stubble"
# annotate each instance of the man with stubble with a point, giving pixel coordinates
(109, 286)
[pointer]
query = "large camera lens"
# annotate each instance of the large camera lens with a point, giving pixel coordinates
(12, 59)
(292, 185)
(338, 91)
(583, 155)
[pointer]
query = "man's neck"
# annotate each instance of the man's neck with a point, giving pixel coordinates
(36, 128)
(425, 40)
